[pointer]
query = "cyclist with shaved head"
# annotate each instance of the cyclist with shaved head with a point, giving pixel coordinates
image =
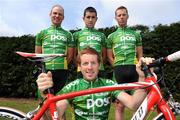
(56, 40)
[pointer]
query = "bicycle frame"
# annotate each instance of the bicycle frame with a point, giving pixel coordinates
(153, 98)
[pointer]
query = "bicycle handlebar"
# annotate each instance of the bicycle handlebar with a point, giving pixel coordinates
(173, 57)
(161, 61)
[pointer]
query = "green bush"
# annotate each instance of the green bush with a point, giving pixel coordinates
(17, 80)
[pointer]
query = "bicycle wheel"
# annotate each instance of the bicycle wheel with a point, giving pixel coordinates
(7, 113)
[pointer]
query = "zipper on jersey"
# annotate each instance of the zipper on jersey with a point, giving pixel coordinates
(93, 100)
(124, 42)
(54, 43)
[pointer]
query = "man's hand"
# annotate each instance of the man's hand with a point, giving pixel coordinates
(146, 60)
(44, 81)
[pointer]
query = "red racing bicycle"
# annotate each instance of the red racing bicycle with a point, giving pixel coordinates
(166, 109)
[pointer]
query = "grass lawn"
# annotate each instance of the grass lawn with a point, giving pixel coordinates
(26, 105)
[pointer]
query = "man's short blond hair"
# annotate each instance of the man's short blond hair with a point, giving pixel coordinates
(57, 5)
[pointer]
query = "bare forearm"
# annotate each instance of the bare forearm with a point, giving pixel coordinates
(139, 52)
(61, 107)
(110, 56)
(38, 49)
(132, 101)
(111, 61)
(104, 55)
(70, 54)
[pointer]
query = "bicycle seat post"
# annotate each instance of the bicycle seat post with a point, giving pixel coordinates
(41, 58)
(49, 90)
(43, 67)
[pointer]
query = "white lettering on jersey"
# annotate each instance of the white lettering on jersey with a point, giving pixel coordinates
(110, 81)
(58, 37)
(97, 38)
(98, 102)
(129, 38)
(72, 84)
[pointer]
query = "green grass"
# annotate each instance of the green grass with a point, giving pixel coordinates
(26, 105)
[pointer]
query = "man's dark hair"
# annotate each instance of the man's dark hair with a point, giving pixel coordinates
(90, 9)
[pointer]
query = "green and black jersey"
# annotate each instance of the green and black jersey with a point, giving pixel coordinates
(92, 38)
(123, 42)
(55, 40)
(92, 106)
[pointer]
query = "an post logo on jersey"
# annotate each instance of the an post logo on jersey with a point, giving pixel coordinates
(70, 85)
(58, 37)
(127, 37)
(99, 102)
(125, 41)
(93, 37)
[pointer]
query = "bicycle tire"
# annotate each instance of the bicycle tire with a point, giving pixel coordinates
(7, 113)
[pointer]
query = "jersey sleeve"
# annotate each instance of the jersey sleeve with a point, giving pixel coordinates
(71, 42)
(109, 42)
(67, 88)
(64, 90)
(103, 41)
(114, 93)
(138, 38)
(71, 87)
(75, 37)
(39, 38)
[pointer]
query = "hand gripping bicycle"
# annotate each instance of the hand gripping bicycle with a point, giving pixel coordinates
(10, 113)
(166, 110)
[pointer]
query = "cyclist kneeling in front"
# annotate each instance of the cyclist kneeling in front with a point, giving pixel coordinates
(93, 106)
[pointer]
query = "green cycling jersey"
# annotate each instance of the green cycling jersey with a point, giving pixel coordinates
(55, 40)
(123, 43)
(90, 37)
(92, 106)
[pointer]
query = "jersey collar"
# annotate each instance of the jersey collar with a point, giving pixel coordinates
(91, 29)
(86, 81)
(57, 27)
(122, 28)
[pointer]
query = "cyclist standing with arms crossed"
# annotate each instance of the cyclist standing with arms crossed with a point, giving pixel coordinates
(124, 48)
(93, 106)
(89, 36)
(56, 40)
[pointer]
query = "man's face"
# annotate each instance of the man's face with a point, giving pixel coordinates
(90, 19)
(57, 16)
(89, 66)
(121, 17)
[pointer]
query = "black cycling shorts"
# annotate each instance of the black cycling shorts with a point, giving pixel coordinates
(59, 79)
(125, 74)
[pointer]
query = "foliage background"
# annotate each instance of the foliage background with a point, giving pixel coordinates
(16, 73)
